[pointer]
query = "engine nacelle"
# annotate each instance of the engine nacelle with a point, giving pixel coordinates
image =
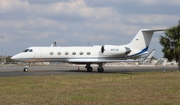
(115, 50)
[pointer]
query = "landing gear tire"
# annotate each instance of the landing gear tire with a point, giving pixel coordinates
(100, 70)
(25, 69)
(89, 69)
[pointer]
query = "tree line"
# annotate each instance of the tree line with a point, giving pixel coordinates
(7, 59)
(171, 43)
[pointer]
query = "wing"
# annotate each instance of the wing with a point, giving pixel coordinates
(98, 61)
(108, 60)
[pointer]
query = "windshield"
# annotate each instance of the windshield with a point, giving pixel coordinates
(28, 50)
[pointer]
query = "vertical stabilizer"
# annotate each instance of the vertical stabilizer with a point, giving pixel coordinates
(142, 39)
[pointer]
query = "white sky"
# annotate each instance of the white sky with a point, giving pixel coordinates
(25, 23)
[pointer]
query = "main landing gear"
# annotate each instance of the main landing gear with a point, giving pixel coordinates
(26, 67)
(100, 68)
(90, 69)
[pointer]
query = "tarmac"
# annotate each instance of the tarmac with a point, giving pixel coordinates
(14, 70)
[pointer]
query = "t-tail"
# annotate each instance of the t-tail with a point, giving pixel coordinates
(140, 43)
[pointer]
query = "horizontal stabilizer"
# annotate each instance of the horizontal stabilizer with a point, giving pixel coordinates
(152, 30)
(150, 55)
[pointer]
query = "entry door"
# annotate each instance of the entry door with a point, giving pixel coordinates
(38, 54)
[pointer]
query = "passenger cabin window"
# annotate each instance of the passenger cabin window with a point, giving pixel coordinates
(66, 53)
(59, 53)
(51, 53)
(88, 53)
(81, 53)
(74, 53)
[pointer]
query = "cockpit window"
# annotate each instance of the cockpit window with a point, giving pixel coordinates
(30, 50)
(26, 50)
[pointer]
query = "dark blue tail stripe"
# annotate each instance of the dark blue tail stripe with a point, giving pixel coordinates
(142, 51)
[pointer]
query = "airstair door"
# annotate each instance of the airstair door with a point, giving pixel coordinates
(38, 54)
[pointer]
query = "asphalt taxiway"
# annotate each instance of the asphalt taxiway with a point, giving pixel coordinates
(13, 70)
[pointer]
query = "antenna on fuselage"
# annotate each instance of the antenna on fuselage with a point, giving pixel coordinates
(53, 44)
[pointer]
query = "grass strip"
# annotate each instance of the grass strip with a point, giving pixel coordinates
(152, 88)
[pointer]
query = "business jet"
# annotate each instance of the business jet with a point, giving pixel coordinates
(89, 54)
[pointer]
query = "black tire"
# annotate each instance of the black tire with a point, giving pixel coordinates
(100, 70)
(89, 69)
(25, 69)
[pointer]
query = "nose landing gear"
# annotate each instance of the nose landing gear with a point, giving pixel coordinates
(26, 67)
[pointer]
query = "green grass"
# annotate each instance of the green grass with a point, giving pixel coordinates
(153, 88)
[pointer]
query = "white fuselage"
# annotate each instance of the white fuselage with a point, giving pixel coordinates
(75, 54)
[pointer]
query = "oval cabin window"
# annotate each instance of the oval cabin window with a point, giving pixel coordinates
(88, 53)
(81, 53)
(66, 53)
(59, 53)
(73, 53)
(51, 53)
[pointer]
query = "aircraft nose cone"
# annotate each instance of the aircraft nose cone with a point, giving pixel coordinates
(14, 57)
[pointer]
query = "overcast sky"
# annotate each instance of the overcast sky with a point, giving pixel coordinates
(25, 23)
